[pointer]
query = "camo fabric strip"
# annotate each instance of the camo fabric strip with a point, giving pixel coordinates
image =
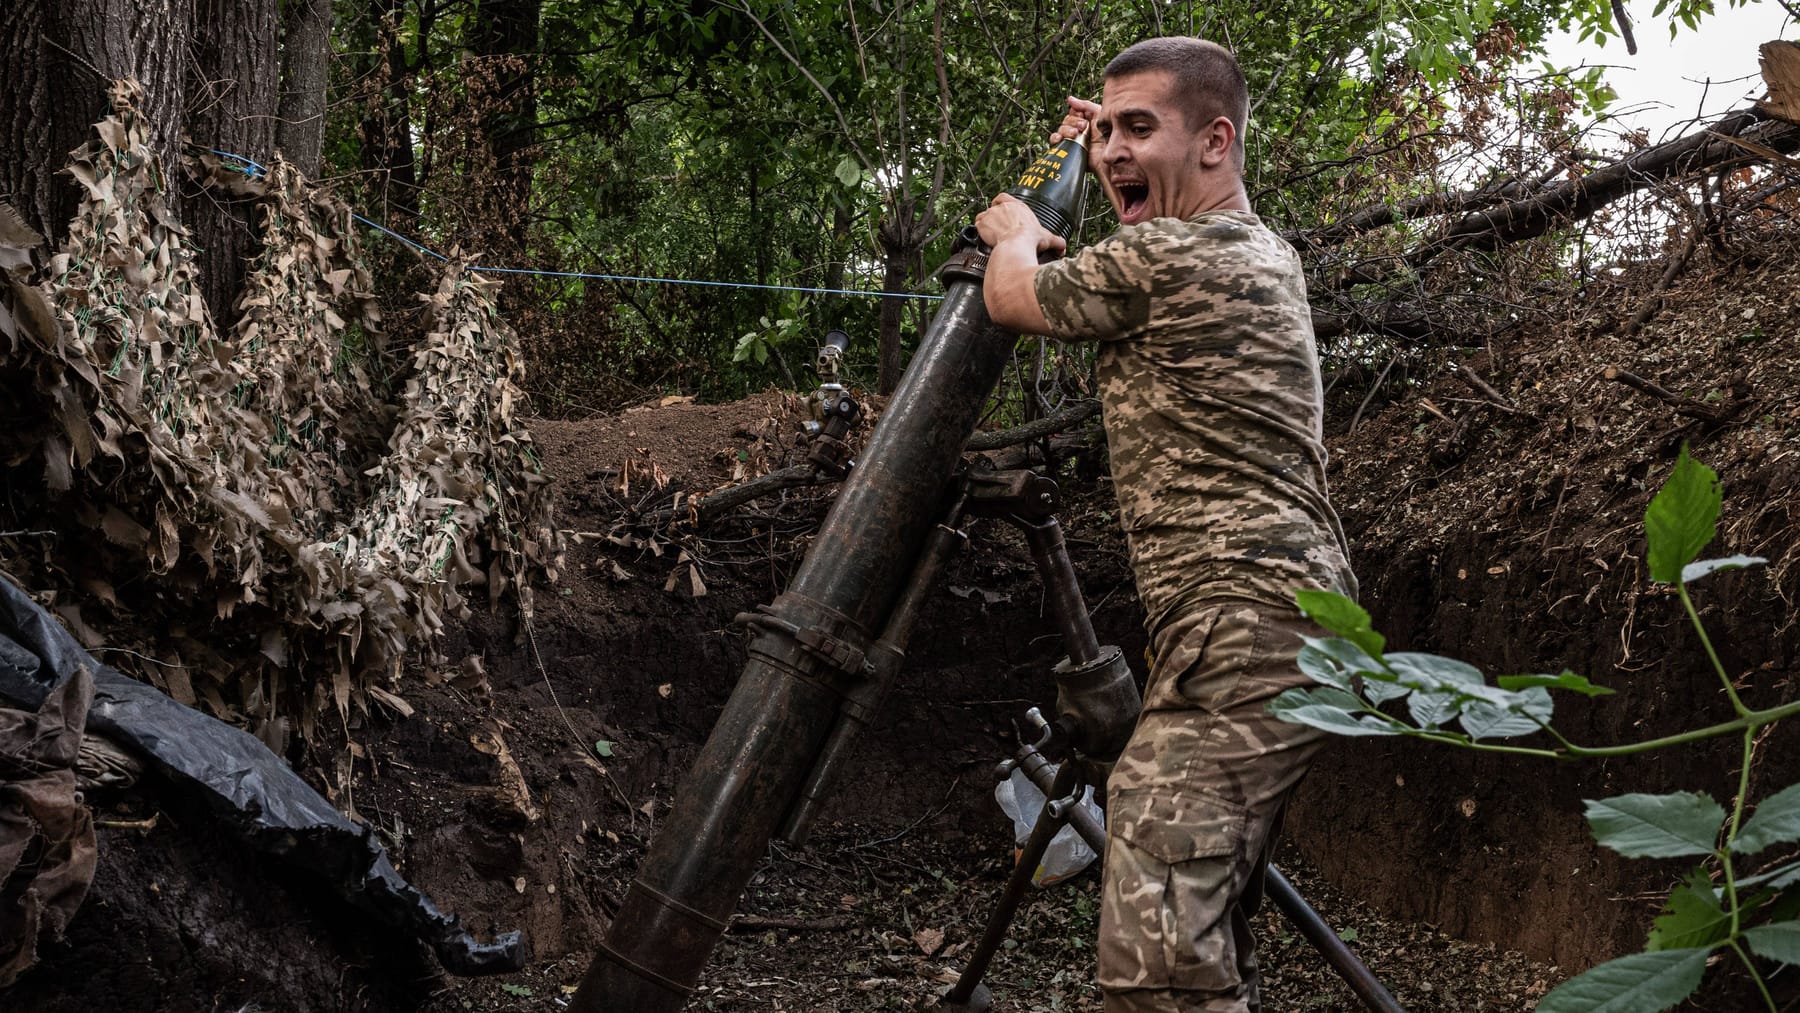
(1194, 805)
(1210, 382)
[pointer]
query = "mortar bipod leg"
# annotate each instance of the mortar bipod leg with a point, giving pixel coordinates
(863, 699)
(1299, 913)
(1063, 796)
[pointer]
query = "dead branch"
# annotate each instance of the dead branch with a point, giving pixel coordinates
(1055, 422)
(1528, 212)
(1482, 387)
(1677, 264)
(1683, 405)
(759, 923)
(715, 505)
(1571, 200)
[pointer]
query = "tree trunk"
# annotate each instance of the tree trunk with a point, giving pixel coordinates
(901, 235)
(305, 51)
(232, 98)
(386, 132)
(63, 54)
(505, 38)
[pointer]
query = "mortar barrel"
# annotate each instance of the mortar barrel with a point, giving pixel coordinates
(809, 653)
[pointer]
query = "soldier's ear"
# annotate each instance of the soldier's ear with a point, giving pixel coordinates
(1215, 141)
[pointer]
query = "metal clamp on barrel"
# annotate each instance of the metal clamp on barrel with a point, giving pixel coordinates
(814, 641)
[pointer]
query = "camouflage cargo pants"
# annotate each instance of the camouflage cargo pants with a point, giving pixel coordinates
(1194, 805)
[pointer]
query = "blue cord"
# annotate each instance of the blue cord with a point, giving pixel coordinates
(255, 169)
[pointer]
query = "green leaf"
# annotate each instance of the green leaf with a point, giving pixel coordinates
(1440, 685)
(1779, 878)
(1682, 518)
(1345, 653)
(1321, 668)
(848, 172)
(1341, 616)
(1656, 826)
(1692, 916)
(604, 747)
(1331, 709)
(1349, 935)
(1694, 571)
(1532, 710)
(1640, 983)
(518, 990)
(1567, 680)
(1779, 942)
(1775, 821)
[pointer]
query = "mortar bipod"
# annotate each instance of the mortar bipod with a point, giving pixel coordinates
(1060, 788)
(863, 698)
(1097, 699)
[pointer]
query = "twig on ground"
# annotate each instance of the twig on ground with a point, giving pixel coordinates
(758, 923)
(1677, 264)
(1683, 405)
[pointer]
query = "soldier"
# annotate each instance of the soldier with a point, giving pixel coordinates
(1210, 386)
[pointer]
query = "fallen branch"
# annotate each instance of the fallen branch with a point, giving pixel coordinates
(1739, 135)
(1571, 200)
(712, 506)
(759, 923)
(1682, 405)
(1053, 423)
(724, 501)
(1482, 387)
(1677, 264)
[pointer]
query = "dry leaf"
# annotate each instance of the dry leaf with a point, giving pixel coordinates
(929, 941)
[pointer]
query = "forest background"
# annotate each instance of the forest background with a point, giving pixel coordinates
(808, 145)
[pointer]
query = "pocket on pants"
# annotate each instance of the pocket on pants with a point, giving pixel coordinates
(1173, 868)
(1176, 825)
(1213, 659)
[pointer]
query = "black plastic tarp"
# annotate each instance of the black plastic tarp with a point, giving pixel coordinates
(235, 775)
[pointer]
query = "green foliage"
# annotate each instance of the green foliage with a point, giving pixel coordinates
(810, 144)
(1656, 826)
(1692, 916)
(1682, 519)
(1776, 821)
(1640, 983)
(1452, 702)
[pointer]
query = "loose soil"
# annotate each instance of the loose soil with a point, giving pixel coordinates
(1499, 526)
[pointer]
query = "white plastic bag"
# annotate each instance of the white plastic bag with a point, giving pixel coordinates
(1067, 854)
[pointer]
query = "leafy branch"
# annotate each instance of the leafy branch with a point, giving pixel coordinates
(1745, 915)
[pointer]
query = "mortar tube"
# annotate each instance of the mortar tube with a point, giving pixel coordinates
(760, 752)
(759, 755)
(1303, 916)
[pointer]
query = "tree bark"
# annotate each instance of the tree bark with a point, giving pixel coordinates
(505, 37)
(901, 235)
(64, 53)
(305, 51)
(386, 131)
(231, 98)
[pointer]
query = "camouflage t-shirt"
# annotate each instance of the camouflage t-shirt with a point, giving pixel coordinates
(1209, 380)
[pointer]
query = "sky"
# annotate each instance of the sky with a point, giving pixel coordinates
(1703, 72)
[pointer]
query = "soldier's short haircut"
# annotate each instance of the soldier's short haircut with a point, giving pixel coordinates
(1208, 81)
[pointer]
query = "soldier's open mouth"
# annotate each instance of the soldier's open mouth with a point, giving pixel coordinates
(1132, 199)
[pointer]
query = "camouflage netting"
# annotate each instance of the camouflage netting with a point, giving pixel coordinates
(269, 530)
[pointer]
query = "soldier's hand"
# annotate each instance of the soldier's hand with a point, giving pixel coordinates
(1082, 115)
(1009, 218)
